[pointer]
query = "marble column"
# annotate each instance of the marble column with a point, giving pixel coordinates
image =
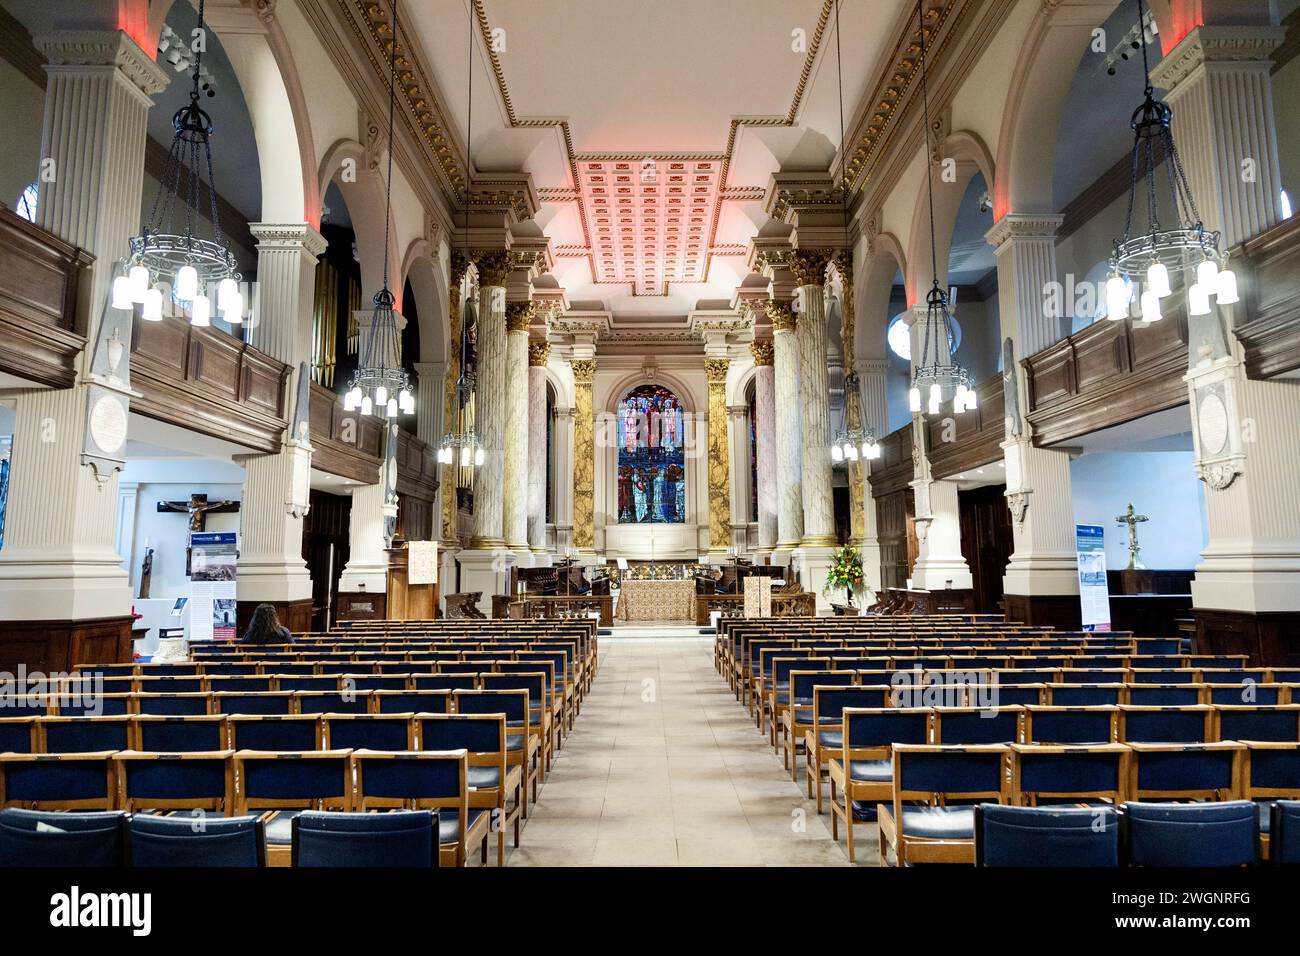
(539, 353)
(841, 285)
(715, 373)
(519, 316)
(430, 386)
(584, 457)
(1246, 592)
(788, 428)
(809, 268)
(1041, 580)
(448, 473)
(765, 443)
(490, 402)
(562, 427)
(872, 377)
(60, 563)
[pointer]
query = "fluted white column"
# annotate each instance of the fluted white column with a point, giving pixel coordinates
(872, 375)
(430, 409)
(539, 353)
(1219, 84)
(519, 316)
(562, 426)
(789, 427)
(1043, 561)
(814, 403)
(765, 443)
(59, 559)
(286, 275)
(271, 566)
(939, 563)
(740, 453)
(490, 403)
(367, 567)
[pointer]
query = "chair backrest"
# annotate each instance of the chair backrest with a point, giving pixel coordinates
(872, 731)
(1283, 833)
(447, 682)
(1278, 722)
(534, 684)
(243, 683)
(179, 734)
(267, 704)
(1166, 725)
(302, 779)
(39, 838)
(423, 780)
(1071, 725)
(156, 684)
(1046, 836)
(1091, 772)
(369, 731)
(80, 735)
(17, 735)
(331, 702)
(1085, 695)
(307, 682)
(930, 771)
(1163, 695)
(802, 681)
(512, 703)
(173, 705)
(403, 838)
(184, 841)
(411, 701)
(1191, 834)
(1185, 771)
(829, 703)
(274, 732)
(481, 736)
(175, 781)
(973, 725)
(1271, 770)
(86, 781)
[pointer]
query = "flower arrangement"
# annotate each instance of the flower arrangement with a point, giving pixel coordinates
(845, 572)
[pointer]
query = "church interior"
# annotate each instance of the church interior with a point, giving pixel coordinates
(560, 433)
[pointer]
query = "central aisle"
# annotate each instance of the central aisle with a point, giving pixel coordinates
(665, 768)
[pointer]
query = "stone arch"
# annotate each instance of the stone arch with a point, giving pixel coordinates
(428, 285)
(364, 195)
(947, 201)
(873, 289)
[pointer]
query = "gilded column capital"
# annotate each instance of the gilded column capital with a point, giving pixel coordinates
(456, 269)
(715, 370)
(520, 315)
(782, 316)
(584, 371)
(494, 267)
(763, 352)
(539, 352)
(809, 265)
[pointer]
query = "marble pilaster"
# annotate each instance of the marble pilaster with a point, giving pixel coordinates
(539, 353)
(788, 429)
(519, 316)
(584, 456)
(814, 400)
(489, 402)
(715, 373)
(765, 443)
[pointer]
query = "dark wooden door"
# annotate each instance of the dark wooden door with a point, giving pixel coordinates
(986, 542)
(325, 527)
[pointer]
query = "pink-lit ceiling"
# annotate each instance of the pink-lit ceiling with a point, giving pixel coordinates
(650, 219)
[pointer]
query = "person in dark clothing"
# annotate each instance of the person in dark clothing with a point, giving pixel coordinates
(265, 628)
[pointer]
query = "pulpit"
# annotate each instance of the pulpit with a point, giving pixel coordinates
(412, 581)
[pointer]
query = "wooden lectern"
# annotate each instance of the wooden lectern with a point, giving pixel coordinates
(412, 596)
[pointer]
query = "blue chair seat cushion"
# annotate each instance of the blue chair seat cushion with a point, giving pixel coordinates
(864, 810)
(831, 739)
(484, 778)
(871, 771)
(279, 828)
(939, 823)
(802, 715)
(449, 824)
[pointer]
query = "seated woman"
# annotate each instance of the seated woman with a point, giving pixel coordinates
(265, 628)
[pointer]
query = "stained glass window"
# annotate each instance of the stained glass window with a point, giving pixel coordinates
(651, 463)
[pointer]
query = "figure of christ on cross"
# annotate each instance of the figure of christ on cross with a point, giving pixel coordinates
(1132, 519)
(198, 508)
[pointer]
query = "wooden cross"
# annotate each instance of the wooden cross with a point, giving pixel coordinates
(198, 508)
(1132, 519)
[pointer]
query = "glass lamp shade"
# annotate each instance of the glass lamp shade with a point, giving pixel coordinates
(1227, 287)
(837, 454)
(1206, 275)
(201, 311)
(970, 400)
(1151, 306)
(381, 396)
(367, 406)
(1158, 281)
(349, 402)
(138, 276)
(227, 290)
(479, 456)
(406, 402)
(232, 309)
(1117, 296)
(1198, 300)
(152, 309)
(391, 408)
(187, 283)
(914, 399)
(465, 457)
(122, 293)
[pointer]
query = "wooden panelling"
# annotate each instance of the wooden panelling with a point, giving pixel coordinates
(1266, 638)
(51, 646)
(40, 337)
(207, 381)
(972, 439)
(295, 615)
(1061, 611)
(986, 543)
(892, 471)
(1108, 374)
(1268, 274)
(893, 529)
(347, 444)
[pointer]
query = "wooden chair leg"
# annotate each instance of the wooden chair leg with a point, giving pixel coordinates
(835, 817)
(848, 825)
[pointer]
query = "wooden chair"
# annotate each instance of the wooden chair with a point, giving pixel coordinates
(176, 781)
(85, 781)
(863, 771)
(825, 738)
(1087, 773)
(290, 781)
(1210, 771)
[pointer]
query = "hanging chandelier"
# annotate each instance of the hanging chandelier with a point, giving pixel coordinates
(936, 375)
(460, 446)
(852, 444)
(380, 384)
(1188, 246)
(171, 254)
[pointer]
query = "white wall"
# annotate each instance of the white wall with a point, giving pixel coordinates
(22, 104)
(167, 532)
(1161, 485)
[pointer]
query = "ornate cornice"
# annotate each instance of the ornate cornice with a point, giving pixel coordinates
(73, 48)
(763, 352)
(584, 371)
(809, 265)
(539, 352)
(1217, 44)
(1023, 225)
(782, 316)
(715, 371)
(520, 315)
(288, 235)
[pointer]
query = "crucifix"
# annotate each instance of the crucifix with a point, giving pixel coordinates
(198, 508)
(1132, 519)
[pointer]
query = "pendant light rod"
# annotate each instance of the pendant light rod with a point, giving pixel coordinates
(392, 104)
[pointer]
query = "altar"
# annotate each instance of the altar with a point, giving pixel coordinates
(651, 600)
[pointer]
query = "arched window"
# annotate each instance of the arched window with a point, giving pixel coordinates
(651, 463)
(26, 207)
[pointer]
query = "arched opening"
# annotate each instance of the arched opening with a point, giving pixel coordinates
(651, 467)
